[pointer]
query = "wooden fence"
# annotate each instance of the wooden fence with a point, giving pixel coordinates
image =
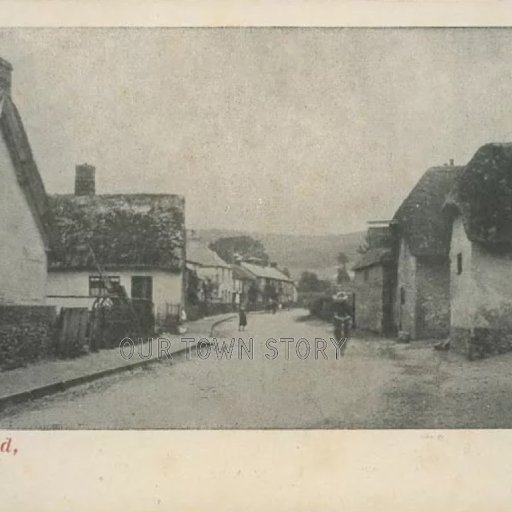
(73, 325)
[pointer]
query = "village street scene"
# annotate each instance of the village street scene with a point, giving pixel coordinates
(255, 229)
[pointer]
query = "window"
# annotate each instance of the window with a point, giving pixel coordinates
(366, 274)
(459, 263)
(142, 287)
(98, 287)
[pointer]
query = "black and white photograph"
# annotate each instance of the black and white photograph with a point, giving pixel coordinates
(255, 228)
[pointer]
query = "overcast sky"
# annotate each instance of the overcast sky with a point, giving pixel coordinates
(282, 130)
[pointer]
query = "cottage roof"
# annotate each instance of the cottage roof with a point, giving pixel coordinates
(139, 231)
(267, 272)
(373, 257)
(483, 195)
(420, 219)
(200, 254)
(25, 166)
(242, 274)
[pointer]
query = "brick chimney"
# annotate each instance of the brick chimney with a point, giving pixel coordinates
(85, 180)
(5, 76)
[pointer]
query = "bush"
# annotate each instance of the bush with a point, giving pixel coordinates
(27, 334)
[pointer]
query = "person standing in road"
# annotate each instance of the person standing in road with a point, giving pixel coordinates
(242, 319)
(342, 317)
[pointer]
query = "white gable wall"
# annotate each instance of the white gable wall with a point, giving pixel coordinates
(481, 295)
(22, 253)
(462, 290)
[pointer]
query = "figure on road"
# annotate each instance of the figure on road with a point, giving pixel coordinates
(342, 318)
(242, 319)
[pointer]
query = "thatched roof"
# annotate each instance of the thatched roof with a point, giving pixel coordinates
(373, 257)
(420, 219)
(200, 254)
(25, 166)
(125, 231)
(483, 195)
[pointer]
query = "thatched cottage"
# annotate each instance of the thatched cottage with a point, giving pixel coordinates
(480, 211)
(24, 212)
(136, 240)
(422, 292)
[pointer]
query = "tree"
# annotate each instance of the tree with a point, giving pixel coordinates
(286, 272)
(270, 292)
(209, 290)
(245, 246)
(193, 285)
(253, 293)
(342, 258)
(342, 274)
(309, 282)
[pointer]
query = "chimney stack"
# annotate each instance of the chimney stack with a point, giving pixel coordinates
(85, 180)
(5, 76)
(451, 162)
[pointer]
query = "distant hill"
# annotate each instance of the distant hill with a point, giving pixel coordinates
(315, 253)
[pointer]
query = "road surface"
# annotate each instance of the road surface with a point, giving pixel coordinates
(378, 383)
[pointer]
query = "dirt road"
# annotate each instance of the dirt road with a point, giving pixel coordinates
(377, 384)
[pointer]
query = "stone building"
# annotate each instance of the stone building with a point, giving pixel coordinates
(374, 280)
(24, 212)
(422, 232)
(480, 211)
(135, 240)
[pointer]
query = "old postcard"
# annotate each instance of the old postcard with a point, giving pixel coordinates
(282, 227)
(256, 228)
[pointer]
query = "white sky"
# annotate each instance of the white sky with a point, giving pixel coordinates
(308, 131)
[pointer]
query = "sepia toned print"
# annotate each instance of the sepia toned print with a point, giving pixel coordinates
(255, 228)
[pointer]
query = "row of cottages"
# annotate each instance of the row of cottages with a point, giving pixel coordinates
(214, 274)
(219, 282)
(136, 241)
(268, 283)
(24, 212)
